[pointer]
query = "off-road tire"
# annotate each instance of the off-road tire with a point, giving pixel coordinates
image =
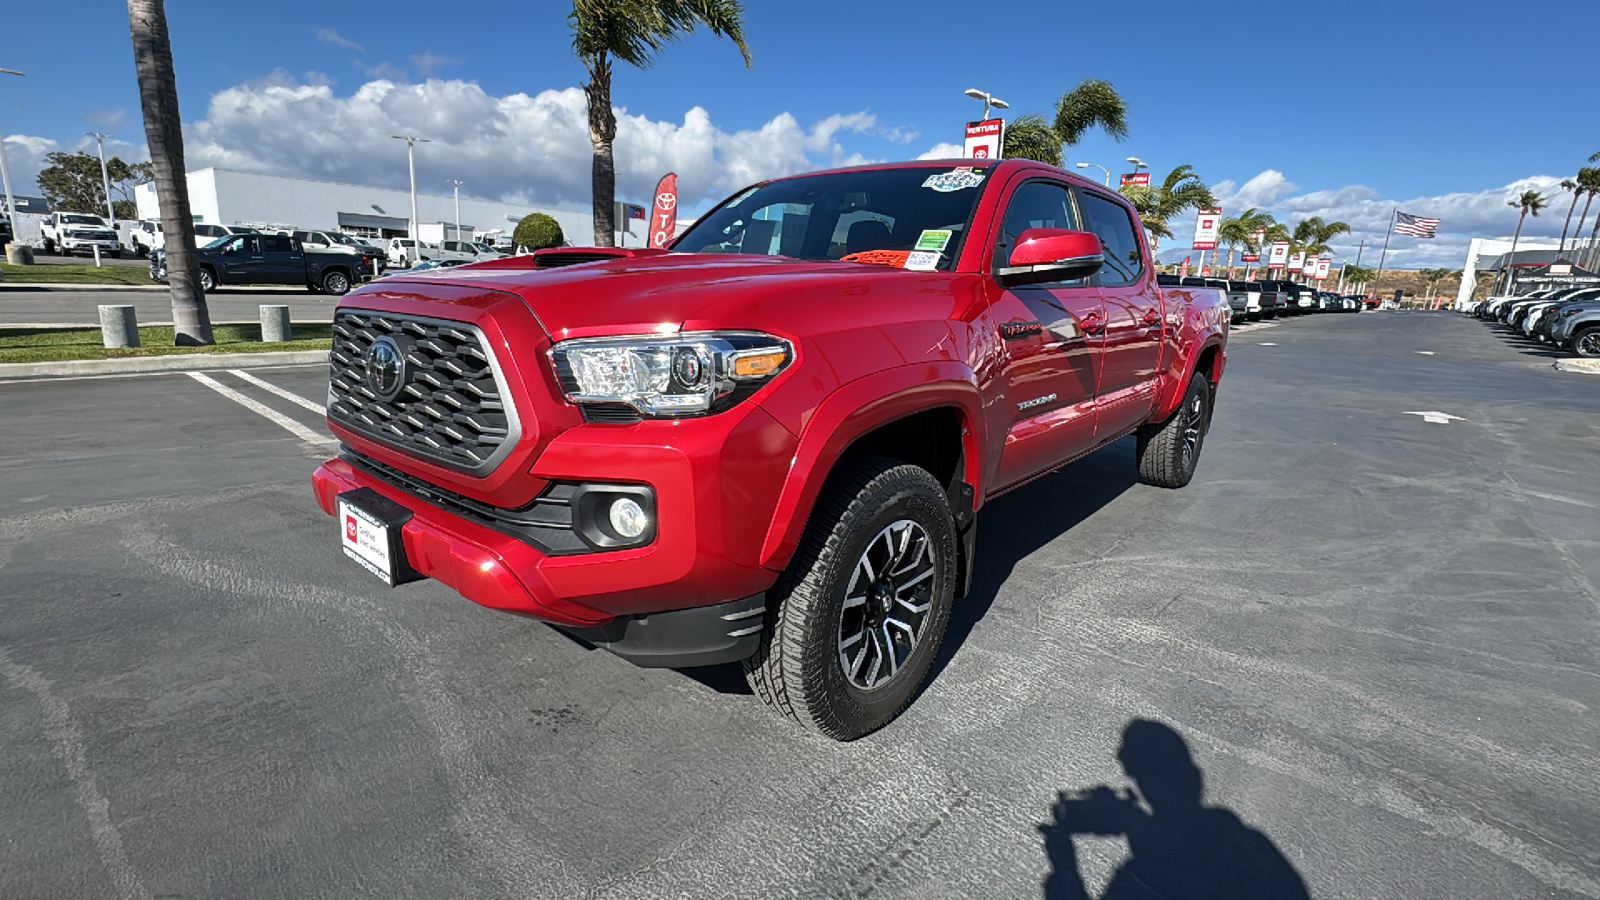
(797, 670)
(1586, 343)
(1169, 452)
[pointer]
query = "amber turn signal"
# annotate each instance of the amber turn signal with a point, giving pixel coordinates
(758, 365)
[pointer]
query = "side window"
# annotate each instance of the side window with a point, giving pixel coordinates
(251, 244)
(1110, 221)
(276, 243)
(1035, 204)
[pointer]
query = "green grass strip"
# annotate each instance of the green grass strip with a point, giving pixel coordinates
(26, 345)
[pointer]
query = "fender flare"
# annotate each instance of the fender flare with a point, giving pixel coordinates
(855, 409)
(1172, 394)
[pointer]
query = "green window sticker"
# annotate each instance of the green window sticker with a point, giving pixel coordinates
(933, 240)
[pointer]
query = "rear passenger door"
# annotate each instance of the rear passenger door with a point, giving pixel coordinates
(283, 260)
(1133, 316)
(1051, 335)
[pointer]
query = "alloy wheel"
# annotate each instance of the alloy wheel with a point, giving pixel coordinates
(1194, 420)
(886, 605)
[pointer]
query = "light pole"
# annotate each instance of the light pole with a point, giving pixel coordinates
(988, 100)
(1137, 164)
(5, 173)
(1085, 165)
(457, 185)
(411, 163)
(105, 176)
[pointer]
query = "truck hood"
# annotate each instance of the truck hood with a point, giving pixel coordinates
(668, 292)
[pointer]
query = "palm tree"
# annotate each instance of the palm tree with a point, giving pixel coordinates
(1433, 277)
(1031, 137)
(1567, 184)
(1529, 202)
(633, 31)
(1355, 275)
(158, 97)
(1092, 102)
(1159, 204)
(1232, 232)
(1588, 186)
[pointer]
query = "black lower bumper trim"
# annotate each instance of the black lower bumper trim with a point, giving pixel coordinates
(702, 636)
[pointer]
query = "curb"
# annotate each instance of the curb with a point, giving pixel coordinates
(183, 362)
(1586, 366)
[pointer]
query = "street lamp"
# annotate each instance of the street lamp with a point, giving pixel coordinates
(1137, 164)
(1085, 165)
(105, 177)
(411, 163)
(457, 185)
(988, 100)
(5, 172)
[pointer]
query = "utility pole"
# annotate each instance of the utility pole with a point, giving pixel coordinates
(457, 185)
(5, 172)
(411, 163)
(105, 177)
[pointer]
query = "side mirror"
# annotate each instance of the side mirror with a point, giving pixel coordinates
(1052, 254)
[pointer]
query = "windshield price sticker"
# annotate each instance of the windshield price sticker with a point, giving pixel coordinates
(958, 180)
(933, 240)
(922, 260)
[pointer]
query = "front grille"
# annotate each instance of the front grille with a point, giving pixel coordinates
(451, 407)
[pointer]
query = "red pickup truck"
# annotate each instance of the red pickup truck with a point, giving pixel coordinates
(771, 442)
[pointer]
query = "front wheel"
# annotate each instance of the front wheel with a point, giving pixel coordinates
(1587, 343)
(1168, 453)
(336, 283)
(853, 625)
(208, 280)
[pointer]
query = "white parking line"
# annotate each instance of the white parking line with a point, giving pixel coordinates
(294, 398)
(277, 418)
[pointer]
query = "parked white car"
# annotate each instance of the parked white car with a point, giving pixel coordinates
(146, 236)
(403, 252)
(67, 233)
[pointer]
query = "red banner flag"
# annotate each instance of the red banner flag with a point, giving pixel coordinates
(664, 215)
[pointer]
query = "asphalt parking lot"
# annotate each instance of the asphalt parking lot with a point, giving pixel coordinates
(1372, 635)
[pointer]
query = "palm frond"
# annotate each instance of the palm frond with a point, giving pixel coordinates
(1031, 137)
(1092, 102)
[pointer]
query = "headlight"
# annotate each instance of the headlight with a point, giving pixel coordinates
(670, 376)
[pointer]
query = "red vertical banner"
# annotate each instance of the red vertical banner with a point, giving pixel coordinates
(664, 211)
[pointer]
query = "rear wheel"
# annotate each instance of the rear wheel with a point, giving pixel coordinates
(854, 623)
(208, 280)
(1587, 343)
(336, 283)
(1168, 453)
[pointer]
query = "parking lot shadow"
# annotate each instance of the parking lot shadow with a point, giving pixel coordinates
(1019, 523)
(1179, 847)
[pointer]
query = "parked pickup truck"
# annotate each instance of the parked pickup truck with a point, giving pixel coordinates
(273, 259)
(67, 233)
(772, 442)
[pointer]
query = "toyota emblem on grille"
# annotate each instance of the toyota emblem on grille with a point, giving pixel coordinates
(386, 368)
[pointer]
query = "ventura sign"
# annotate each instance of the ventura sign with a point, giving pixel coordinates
(984, 139)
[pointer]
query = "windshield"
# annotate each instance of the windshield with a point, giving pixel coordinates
(846, 216)
(83, 220)
(216, 242)
(345, 239)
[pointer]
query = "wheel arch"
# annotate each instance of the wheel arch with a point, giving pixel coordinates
(925, 415)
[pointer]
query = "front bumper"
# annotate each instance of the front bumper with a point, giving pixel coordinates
(72, 243)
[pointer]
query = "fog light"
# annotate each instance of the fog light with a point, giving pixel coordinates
(628, 518)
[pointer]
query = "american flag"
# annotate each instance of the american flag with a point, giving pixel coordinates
(1417, 226)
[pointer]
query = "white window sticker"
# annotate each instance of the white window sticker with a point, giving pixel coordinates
(958, 180)
(933, 240)
(922, 260)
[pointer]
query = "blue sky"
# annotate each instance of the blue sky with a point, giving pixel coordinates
(1332, 99)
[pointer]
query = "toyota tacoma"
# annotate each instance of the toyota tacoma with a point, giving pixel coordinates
(772, 442)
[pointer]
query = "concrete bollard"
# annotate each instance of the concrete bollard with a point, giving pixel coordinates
(274, 323)
(118, 328)
(18, 255)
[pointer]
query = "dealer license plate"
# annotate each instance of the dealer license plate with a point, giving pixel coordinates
(369, 532)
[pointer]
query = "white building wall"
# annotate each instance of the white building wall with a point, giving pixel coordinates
(227, 197)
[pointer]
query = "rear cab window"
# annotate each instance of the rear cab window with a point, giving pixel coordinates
(1114, 225)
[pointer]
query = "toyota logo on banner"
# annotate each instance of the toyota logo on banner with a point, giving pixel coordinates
(664, 213)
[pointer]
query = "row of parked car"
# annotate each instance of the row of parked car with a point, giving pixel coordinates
(1565, 318)
(1253, 301)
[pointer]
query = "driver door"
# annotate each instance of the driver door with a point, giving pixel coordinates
(1052, 336)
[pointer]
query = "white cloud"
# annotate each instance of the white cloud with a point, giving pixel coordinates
(428, 62)
(329, 36)
(25, 156)
(520, 147)
(944, 151)
(1259, 191)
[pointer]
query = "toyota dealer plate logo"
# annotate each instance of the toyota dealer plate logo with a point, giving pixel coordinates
(386, 368)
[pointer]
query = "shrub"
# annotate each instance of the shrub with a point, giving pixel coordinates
(537, 231)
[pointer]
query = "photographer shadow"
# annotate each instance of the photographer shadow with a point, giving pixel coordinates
(1180, 848)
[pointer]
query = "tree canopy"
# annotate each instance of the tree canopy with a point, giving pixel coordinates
(72, 183)
(538, 231)
(1092, 103)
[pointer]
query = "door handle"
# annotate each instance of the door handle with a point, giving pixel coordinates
(1152, 316)
(1092, 323)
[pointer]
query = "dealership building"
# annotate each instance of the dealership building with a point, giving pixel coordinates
(229, 197)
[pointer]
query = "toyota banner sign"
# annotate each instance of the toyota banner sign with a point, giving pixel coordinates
(664, 212)
(1205, 229)
(1128, 178)
(984, 139)
(1277, 254)
(1323, 264)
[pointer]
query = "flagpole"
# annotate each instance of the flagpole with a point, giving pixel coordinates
(1378, 277)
